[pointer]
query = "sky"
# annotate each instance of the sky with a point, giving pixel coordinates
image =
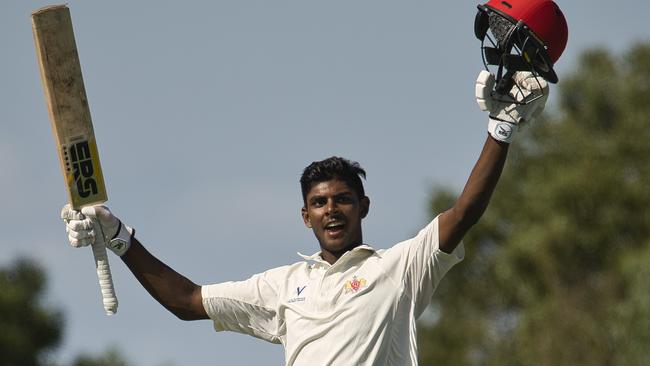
(206, 112)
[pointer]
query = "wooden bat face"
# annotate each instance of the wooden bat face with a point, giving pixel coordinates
(67, 105)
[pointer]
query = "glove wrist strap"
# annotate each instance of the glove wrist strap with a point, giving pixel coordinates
(501, 130)
(121, 242)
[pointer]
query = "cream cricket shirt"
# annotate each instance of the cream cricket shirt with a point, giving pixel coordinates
(359, 311)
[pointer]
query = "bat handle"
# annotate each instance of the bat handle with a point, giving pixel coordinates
(104, 273)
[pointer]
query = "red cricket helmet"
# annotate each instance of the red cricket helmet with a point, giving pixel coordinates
(530, 35)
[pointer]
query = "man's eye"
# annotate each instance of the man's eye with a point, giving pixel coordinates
(318, 202)
(345, 199)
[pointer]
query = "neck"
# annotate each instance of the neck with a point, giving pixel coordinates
(332, 256)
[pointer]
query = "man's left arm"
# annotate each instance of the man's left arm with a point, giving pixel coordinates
(524, 102)
(468, 209)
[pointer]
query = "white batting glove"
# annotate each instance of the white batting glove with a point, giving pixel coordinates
(108, 229)
(507, 112)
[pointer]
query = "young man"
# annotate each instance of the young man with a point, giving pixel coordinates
(348, 304)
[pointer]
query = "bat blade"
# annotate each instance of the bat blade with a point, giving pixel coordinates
(69, 113)
(67, 104)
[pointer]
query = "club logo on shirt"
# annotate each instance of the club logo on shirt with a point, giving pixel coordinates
(355, 284)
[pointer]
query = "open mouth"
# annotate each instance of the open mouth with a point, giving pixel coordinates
(335, 228)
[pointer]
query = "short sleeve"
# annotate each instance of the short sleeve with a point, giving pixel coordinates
(420, 264)
(248, 307)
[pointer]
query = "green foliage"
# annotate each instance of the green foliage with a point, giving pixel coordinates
(30, 328)
(112, 357)
(556, 271)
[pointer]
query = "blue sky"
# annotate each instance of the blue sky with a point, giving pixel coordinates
(206, 112)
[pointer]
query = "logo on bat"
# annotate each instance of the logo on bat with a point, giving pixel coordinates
(82, 167)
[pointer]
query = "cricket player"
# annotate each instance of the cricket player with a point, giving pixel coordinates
(348, 304)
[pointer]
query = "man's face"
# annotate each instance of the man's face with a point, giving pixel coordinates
(334, 212)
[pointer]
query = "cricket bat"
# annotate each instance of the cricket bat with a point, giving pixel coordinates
(67, 105)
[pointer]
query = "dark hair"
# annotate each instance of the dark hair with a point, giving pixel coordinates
(335, 167)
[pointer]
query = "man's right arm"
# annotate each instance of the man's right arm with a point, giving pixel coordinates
(172, 290)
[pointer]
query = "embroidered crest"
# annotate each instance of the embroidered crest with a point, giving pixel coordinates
(354, 285)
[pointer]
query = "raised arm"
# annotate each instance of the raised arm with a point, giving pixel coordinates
(172, 290)
(471, 204)
(525, 101)
(175, 292)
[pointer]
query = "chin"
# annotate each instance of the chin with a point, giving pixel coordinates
(337, 247)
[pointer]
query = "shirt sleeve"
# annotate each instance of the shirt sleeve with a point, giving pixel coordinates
(420, 264)
(248, 306)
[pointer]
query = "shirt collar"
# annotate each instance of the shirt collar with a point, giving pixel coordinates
(316, 257)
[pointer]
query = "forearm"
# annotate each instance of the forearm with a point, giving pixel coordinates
(507, 110)
(476, 195)
(175, 292)
(474, 199)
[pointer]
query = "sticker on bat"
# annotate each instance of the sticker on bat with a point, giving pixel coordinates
(84, 174)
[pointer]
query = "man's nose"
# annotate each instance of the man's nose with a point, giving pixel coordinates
(331, 206)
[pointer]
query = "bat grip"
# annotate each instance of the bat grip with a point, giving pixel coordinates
(104, 272)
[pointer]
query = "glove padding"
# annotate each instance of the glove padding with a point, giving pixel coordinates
(507, 111)
(96, 223)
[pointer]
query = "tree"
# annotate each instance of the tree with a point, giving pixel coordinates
(556, 271)
(112, 357)
(30, 329)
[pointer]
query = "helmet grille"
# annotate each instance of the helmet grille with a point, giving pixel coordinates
(500, 28)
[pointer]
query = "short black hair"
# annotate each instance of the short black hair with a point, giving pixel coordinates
(334, 167)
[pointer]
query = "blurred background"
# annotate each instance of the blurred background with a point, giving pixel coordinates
(207, 112)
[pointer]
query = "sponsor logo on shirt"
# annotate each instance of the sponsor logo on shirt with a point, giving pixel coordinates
(355, 284)
(298, 298)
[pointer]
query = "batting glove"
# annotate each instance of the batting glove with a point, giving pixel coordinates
(96, 223)
(508, 112)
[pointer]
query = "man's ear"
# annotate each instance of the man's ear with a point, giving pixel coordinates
(364, 206)
(305, 217)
